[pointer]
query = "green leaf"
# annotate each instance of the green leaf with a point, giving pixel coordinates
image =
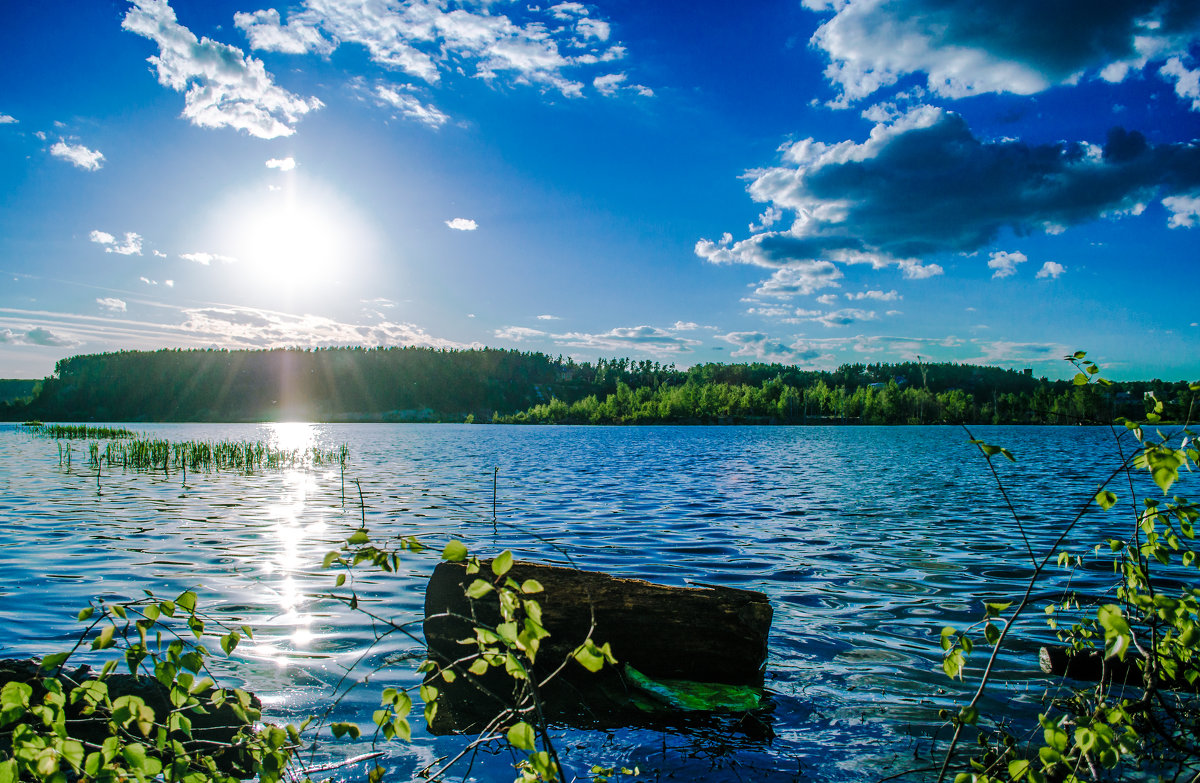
(84, 614)
(1106, 499)
(1080, 379)
(455, 552)
(521, 736)
(1018, 769)
(343, 729)
(478, 589)
(229, 641)
(531, 586)
(105, 639)
(54, 660)
(502, 563)
(329, 558)
(187, 601)
(359, 537)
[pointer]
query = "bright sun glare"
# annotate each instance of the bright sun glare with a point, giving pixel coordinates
(296, 238)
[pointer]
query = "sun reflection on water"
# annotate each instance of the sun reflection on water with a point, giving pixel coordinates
(289, 551)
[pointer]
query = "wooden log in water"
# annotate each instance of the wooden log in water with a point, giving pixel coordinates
(1092, 666)
(701, 634)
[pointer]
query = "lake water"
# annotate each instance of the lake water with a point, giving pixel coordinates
(867, 541)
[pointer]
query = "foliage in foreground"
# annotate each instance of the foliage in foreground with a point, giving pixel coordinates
(1142, 719)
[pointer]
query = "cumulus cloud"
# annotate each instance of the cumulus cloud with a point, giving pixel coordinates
(40, 336)
(608, 83)
(763, 348)
(518, 333)
(222, 87)
(1005, 263)
(1017, 46)
(462, 224)
(845, 317)
(411, 108)
(131, 245)
(283, 164)
(112, 304)
(78, 155)
(925, 185)
(1184, 210)
(206, 259)
(267, 32)
(879, 296)
(828, 299)
(528, 45)
(1051, 269)
(1187, 82)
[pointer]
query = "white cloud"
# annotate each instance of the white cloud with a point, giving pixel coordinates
(78, 155)
(37, 335)
(548, 318)
(879, 296)
(1184, 210)
(1051, 269)
(761, 347)
(828, 299)
(283, 164)
(233, 327)
(410, 107)
(265, 32)
(462, 224)
(206, 259)
(1187, 82)
(518, 333)
(608, 83)
(800, 279)
(112, 304)
(983, 46)
(649, 339)
(7, 119)
(158, 254)
(131, 245)
(222, 87)
(1005, 263)
(845, 317)
(423, 39)
(169, 283)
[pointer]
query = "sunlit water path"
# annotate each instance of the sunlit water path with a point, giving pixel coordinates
(867, 540)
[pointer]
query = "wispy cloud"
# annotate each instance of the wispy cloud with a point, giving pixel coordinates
(7, 119)
(763, 348)
(649, 339)
(411, 108)
(462, 224)
(206, 259)
(283, 164)
(518, 333)
(78, 155)
(35, 336)
(548, 318)
(222, 87)
(112, 304)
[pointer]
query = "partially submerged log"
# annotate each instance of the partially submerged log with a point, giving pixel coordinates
(1093, 666)
(700, 635)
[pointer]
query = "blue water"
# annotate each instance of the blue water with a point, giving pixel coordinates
(867, 541)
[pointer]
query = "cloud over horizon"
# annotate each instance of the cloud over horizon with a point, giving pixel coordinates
(924, 185)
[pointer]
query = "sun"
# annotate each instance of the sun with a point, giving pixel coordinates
(295, 238)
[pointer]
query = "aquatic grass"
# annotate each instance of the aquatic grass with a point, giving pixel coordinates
(150, 454)
(78, 431)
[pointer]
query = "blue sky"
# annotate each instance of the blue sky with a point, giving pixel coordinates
(811, 182)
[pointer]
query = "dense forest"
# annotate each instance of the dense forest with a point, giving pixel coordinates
(422, 384)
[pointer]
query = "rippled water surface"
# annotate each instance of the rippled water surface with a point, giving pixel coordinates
(867, 540)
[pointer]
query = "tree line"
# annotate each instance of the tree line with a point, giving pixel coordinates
(424, 384)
